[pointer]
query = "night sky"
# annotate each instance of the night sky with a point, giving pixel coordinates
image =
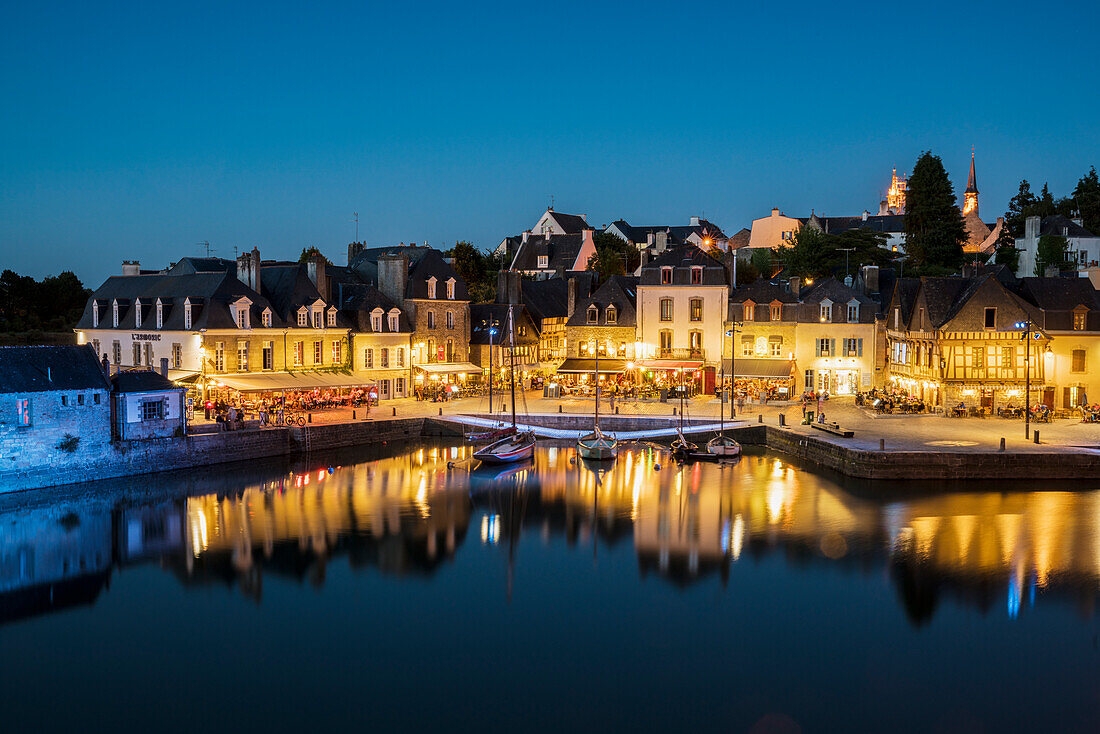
(137, 130)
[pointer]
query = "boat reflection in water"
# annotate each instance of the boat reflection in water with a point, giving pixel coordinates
(410, 514)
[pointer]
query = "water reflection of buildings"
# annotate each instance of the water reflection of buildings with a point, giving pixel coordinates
(410, 514)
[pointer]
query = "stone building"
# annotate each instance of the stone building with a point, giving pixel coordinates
(602, 324)
(146, 405)
(55, 412)
(491, 347)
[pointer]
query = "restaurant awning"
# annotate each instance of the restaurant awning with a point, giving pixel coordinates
(671, 364)
(276, 381)
(774, 369)
(578, 366)
(450, 368)
(184, 376)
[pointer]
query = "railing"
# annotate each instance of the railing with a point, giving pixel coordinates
(680, 354)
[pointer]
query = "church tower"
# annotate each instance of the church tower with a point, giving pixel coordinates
(970, 200)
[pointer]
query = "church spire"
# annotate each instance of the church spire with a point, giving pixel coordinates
(970, 196)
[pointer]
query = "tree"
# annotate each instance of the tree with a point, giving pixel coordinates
(1086, 199)
(614, 256)
(308, 252)
(1020, 207)
(1050, 251)
(477, 268)
(814, 254)
(761, 261)
(934, 231)
(1006, 252)
(55, 303)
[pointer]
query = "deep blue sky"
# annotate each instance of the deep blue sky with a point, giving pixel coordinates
(136, 130)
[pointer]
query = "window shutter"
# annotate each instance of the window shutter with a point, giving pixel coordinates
(832, 347)
(859, 347)
(817, 347)
(1066, 399)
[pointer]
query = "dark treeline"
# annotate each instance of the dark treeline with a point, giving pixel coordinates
(54, 303)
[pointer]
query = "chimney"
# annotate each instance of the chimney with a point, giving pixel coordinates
(695, 221)
(393, 276)
(571, 300)
(870, 279)
(866, 214)
(315, 268)
(509, 287)
(164, 366)
(1031, 228)
(649, 241)
(354, 249)
(662, 241)
(526, 234)
(796, 286)
(248, 269)
(775, 211)
(645, 258)
(131, 267)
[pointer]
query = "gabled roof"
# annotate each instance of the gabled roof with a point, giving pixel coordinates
(424, 263)
(561, 251)
(677, 234)
(682, 259)
(833, 290)
(142, 381)
(1062, 226)
(740, 239)
(357, 302)
(886, 223)
(569, 223)
(620, 291)
(546, 299)
(27, 369)
(905, 296)
(763, 290)
(1059, 294)
(484, 314)
(192, 265)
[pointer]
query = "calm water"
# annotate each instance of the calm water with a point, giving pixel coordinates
(395, 592)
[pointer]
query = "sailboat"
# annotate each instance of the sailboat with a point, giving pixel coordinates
(500, 430)
(520, 445)
(681, 447)
(722, 445)
(595, 446)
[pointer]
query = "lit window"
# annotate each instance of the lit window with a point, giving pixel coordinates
(696, 276)
(219, 357)
(242, 356)
(376, 322)
(1079, 319)
(431, 287)
(450, 319)
(666, 309)
(152, 410)
(451, 289)
(337, 352)
(303, 317)
(593, 315)
(666, 276)
(318, 352)
(368, 358)
(431, 319)
(299, 353)
(777, 312)
(544, 262)
(826, 311)
(265, 319)
(612, 316)
(332, 317)
(695, 311)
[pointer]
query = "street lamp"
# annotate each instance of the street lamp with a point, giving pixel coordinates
(733, 371)
(1026, 326)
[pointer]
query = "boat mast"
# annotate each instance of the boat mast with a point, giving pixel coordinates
(721, 410)
(512, 349)
(490, 366)
(596, 420)
(681, 401)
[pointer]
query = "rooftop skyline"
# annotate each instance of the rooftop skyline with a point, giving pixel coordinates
(136, 132)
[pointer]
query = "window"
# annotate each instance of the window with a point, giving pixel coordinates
(450, 350)
(152, 410)
(384, 358)
(450, 319)
(318, 352)
(1079, 318)
(137, 354)
(1008, 361)
(747, 346)
(177, 356)
(332, 317)
(593, 315)
(242, 317)
(544, 262)
(368, 358)
(95, 398)
(897, 319)
(23, 412)
(116, 352)
(665, 340)
(431, 319)
(187, 316)
(431, 287)
(666, 309)
(1078, 361)
(451, 289)
(299, 353)
(695, 312)
(777, 312)
(393, 322)
(95, 346)
(920, 319)
(65, 400)
(303, 317)
(399, 387)
(95, 314)
(114, 314)
(147, 349)
(318, 317)
(432, 356)
(991, 318)
(695, 341)
(824, 347)
(80, 399)
(748, 311)
(160, 315)
(137, 314)
(242, 356)
(376, 322)
(775, 346)
(1072, 396)
(853, 313)
(696, 275)
(337, 352)
(979, 358)
(809, 379)
(611, 316)
(265, 319)
(401, 356)
(666, 276)
(826, 311)
(853, 348)
(267, 358)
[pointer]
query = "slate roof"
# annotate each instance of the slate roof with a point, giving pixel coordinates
(905, 296)
(570, 223)
(763, 290)
(142, 381)
(682, 259)
(561, 251)
(192, 265)
(833, 290)
(677, 234)
(546, 299)
(887, 223)
(620, 291)
(1062, 226)
(1059, 294)
(357, 301)
(27, 369)
(482, 314)
(424, 263)
(741, 239)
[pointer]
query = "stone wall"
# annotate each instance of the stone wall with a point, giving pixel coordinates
(25, 448)
(418, 314)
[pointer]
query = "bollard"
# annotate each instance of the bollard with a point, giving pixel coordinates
(559, 408)
(616, 411)
(395, 412)
(1002, 444)
(1036, 436)
(309, 417)
(441, 411)
(353, 415)
(674, 411)
(882, 444)
(782, 419)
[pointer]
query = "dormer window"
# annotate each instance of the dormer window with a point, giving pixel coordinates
(265, 318)
(749, 311)
(544, 262)
(611, 316)
(450, 289)
(395, 315)
(187, 315)
(114, 313)
(303, 317)
(242, 318)
(160, 314)
(95, 314)
(853, 311)
(241, 313)
(593, 315)
(696, 275)
(826, 310)
(1080, 318)
(431, 287)
(137, 314)
(777, 312)
(317, 312)
(376, 320)
(332, 316)
(666, 276)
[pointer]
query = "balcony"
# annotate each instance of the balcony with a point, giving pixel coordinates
(697, 354)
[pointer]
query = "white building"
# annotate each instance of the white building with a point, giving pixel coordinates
(1084, 246)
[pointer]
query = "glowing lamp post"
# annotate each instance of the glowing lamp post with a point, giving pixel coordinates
(1026, 326)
